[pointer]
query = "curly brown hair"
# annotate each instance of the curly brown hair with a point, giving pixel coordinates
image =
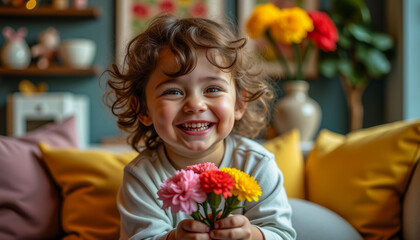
(126, 86)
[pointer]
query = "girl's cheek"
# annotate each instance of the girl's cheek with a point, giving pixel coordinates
(165, 114)
(225, 107)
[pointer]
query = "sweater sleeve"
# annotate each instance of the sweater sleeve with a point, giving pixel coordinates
(272, 213)
(141, 213)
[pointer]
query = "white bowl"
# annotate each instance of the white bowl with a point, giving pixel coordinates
(77, 53)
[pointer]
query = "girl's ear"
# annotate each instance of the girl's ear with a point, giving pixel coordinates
(143, 118)
(241, 105)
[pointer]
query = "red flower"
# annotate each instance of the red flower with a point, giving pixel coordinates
(140, 10)
(167, 6)
(199, 10)
(324, 35)
(216, 181)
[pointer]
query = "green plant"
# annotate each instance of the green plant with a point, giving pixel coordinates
(361, 53)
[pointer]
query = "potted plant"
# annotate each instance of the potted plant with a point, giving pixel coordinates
(361, 54)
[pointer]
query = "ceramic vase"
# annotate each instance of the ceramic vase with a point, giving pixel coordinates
(16, 54)
(297, 110)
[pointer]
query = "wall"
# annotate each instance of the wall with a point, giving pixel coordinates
(327, 92)
(101, 30)
(411, 70)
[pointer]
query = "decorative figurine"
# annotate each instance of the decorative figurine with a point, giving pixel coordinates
(15, 53)
(46, 49)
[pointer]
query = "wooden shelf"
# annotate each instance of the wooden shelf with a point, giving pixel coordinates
(42, 11)
(51, 71)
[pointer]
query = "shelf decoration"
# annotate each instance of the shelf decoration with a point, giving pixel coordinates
(28, 88)
(15, 52)
(31, 4)
(46, 49)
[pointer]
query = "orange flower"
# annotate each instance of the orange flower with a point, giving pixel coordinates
(216, 181)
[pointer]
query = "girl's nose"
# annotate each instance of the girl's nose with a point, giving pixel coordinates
(195, 105)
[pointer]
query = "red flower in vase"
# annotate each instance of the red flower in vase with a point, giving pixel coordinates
(324, 35)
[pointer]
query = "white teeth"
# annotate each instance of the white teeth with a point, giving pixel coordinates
(195, 126)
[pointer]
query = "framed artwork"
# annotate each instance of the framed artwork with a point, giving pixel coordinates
(133, 16)
(273, 68)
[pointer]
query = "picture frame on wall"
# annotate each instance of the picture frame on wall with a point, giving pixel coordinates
(273, 68)
(133, 16)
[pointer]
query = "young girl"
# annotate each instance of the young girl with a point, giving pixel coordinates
(188, 96)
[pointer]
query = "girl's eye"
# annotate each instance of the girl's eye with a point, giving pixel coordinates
(172, 92)
(213, 90)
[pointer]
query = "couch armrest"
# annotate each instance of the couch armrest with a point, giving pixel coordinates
(314, 222)
(411, 207)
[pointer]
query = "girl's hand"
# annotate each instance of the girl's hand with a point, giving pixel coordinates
(190, 229)
(235, 227)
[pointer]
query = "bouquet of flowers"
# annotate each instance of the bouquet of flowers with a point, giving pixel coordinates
(292, 27)
(202, 186)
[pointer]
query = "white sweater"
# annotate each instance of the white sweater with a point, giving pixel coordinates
(143, 218)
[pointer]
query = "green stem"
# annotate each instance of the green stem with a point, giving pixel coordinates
(225, 209)
(279, 54)
(231, 204)
(214, 202)
(298, 60)
(213, 216)
(196, 215)
(206, 214)
(305, 54)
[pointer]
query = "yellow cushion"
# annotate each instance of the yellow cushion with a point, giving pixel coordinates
(89, 181)
(363, 176)
(289, 159)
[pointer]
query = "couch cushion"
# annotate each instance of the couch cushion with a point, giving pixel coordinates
(29, 200)
(89, 181)
(289, 159)
(364, 175)
(314, 222)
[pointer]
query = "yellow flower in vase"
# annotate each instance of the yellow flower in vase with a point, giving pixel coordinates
(262, 17)
(292, 26)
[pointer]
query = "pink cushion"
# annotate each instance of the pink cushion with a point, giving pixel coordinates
(29, 200)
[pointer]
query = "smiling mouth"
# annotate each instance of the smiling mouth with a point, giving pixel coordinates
(195, 127)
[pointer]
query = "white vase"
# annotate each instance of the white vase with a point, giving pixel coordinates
(16, 54)
(297, 110)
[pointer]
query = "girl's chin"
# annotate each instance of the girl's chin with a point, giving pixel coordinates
(199, 147)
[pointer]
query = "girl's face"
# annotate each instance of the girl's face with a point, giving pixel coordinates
(193, 113)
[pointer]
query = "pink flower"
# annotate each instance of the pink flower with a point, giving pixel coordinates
(324, 35)
(203, 167)
(221, 183)
(182, 192)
